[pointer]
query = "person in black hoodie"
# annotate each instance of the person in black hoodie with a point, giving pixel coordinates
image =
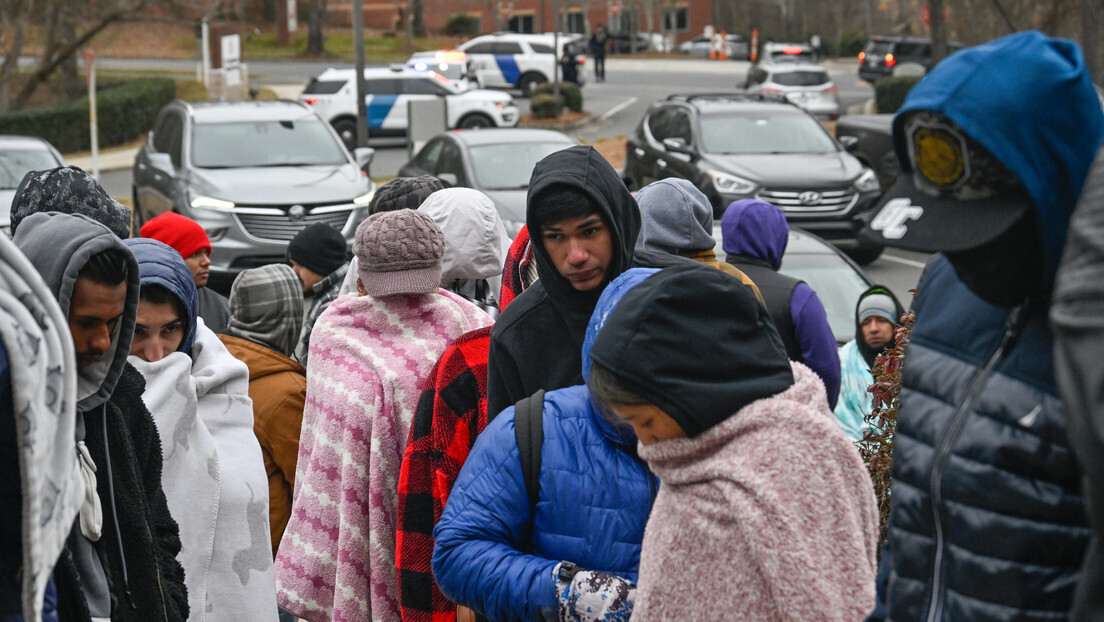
(584, 224)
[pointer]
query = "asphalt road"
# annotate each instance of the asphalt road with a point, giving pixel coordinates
(617, 104)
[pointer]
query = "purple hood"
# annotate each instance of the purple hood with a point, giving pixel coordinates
(755, 228)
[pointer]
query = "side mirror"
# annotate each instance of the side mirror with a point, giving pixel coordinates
(850, 143)
(363, 156)
(160, 161)
(449, 178)
(678, 145)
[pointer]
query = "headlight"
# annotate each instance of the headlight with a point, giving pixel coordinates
(211, 203)
(730, 184)
(365, 198)
(867, 182)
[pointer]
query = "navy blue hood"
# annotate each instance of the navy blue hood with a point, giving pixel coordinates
(757, 229)
(160, 264)
(1045, 126)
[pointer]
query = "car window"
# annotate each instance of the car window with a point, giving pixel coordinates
(449, 162)
(427, 159)
(509, 166)
(383, 86)
(15, 163)
(323, 87)
(764, 133)
(836, 284)
(659, 123)
(878, 48)
(801, 78)
(265, 143)
(423, 86)
(541, 48)
(680, 126)
(506, 47)
(486, 47)
(169, 136)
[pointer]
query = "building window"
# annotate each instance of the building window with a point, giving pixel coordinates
(521, 23)
(623, 22)
(677, 19)
(575, 23)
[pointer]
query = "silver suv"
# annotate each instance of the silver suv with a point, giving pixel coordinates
(253, 174)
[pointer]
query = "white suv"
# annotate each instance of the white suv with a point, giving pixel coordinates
(333, 94)
(522, 61)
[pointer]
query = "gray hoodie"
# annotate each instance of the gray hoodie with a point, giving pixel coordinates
(675, 217)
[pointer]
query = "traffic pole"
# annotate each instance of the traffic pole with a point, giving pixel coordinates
(93, 125)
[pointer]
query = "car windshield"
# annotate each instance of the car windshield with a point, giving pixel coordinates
(801, 78)
(15, 164)
(764, 133)
(509, 166)
(265, 143)
(878, 48)
(836, 284)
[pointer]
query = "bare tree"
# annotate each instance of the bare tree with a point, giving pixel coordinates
(417, 17)
(316, 19)
(1090, 38)
(14, 17)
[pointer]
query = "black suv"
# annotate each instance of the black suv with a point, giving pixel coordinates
(883, 53)
(740, 146)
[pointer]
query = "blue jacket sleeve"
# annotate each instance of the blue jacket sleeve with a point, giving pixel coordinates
(818, 344)
(477, 560)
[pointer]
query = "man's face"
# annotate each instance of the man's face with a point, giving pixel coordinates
(307, 276)
(158, 331)
(199, 262)
(581, 249)
(877, 331)
(94, 310)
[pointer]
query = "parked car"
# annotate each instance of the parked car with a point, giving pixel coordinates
(498, 163)
(333, 94)
(451, 64)
(806, 85)
(619, 42)
(738, 146)
(736, 46)
(883, 53)
(522, 61)
(253, 174)
(835, 277)
(776, 52)
(870, 138)
(18, 156)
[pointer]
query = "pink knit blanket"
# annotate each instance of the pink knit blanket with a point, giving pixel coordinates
(368, 360)
(768, 516)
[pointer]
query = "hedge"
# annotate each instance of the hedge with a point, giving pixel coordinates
(570, 92)
(545, 106)
(125, 110)
(890, 93)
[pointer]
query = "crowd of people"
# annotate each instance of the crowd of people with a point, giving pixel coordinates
(594, 421)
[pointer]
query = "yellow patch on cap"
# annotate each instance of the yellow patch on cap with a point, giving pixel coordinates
(939, 156)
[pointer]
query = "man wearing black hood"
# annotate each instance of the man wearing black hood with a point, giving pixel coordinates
(585, 224)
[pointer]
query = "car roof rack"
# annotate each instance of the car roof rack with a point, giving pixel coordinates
(736, 96)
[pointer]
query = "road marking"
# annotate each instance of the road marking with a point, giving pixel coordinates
(618, 108)
(902, 260)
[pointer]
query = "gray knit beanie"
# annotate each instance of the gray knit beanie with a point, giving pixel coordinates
(399, 252)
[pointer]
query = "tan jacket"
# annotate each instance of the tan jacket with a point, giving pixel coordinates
(278, 388)
(709, 258)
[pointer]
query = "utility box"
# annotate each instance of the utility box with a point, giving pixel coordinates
(427, 118)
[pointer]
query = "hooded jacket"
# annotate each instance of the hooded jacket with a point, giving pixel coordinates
(161, 265)
(133, 564)
(39, 473)
(856, 360)
(536, 344)
(988, 521)
(754, 236)
(265, 315)
(496, 557)
(519, 271)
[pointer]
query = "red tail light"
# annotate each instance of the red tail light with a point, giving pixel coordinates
(582, 61)
(310, 100)
(770, 90)
(862, 56)
(832, 90)
(890, 61)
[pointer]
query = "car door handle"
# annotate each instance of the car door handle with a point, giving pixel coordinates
(639, 152)
(661, 163)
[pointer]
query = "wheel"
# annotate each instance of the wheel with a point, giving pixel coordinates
(528, 81)
(346, 129)
(476, 120)
(865, 255)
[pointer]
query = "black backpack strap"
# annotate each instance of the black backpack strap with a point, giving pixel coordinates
(529, 432)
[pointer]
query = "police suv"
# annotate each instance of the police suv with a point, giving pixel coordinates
(522, 61)
(333, 95)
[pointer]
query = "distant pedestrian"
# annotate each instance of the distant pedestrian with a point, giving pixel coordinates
(876, 315)
(190, 240)
(318, 254)
(598, 44)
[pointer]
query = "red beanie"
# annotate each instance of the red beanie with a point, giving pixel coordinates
(180, 232)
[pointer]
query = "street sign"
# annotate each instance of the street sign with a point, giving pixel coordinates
(505, 9)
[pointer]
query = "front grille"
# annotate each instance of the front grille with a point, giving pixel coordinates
(283, 229)
(811, 200)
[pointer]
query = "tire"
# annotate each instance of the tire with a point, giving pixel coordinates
(865, 255)
(475, 121)
(528, 81)
(346, 130)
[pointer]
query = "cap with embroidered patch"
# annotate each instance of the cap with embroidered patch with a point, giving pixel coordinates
(953, 194)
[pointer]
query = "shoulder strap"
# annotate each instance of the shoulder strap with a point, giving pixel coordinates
(529, 432)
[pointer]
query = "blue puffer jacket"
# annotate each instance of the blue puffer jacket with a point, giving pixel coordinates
(595, 497)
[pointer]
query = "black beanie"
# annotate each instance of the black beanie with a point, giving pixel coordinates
(319, 248)
(696, 343)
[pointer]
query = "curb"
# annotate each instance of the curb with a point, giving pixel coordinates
(587, 121)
